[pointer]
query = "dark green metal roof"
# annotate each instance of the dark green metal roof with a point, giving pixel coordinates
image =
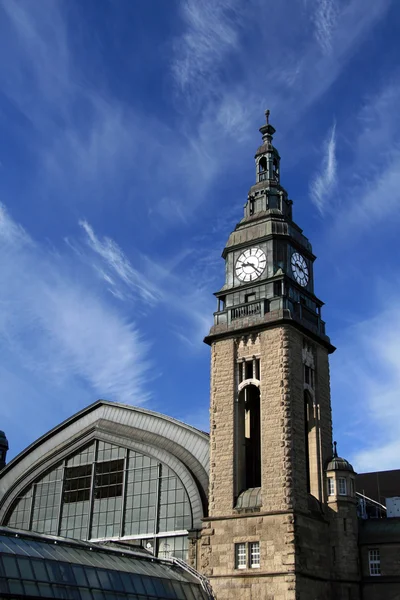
(35, 565)
(249, 499)
(339, 464)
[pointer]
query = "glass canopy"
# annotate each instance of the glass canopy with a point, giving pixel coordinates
(39, 566)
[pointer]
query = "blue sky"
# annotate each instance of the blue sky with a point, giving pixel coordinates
(128, 131)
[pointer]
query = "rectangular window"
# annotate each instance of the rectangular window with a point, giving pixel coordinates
(277, 288)
(374, 559)
(254, 548)
(108, 479)
(250, 298)
(77, 483)
(331, 486)
(248, 369)
(309, 376)
(240, 556)
(342, 486)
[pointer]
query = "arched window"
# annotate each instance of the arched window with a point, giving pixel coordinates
(262, 169)
(107, 491)
(248, 439)
(275, 172)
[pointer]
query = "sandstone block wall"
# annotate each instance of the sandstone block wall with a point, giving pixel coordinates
(295, 544)
(387, 585)
(275, 576)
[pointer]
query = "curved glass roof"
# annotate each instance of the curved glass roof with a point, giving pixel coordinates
(105, 491)
(34, 565)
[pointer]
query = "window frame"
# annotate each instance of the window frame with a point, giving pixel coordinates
(254, 555)
(374, 562)
(239, 555)
(247, 555)
(342, 486)
(331, 486)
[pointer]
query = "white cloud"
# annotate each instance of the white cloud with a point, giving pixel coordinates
(156, 282)
(211, 33)
(325, 19)
(54, 320)
(371, 178)
(368, 367)
(119, 265)
(324, 181)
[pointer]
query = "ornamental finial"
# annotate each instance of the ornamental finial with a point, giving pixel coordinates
(267, 113)
(335, 449)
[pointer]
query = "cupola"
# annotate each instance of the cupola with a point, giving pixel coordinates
(267, 156)
(340, 478)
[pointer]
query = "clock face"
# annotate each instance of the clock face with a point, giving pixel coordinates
(251, 264)
(299, 269)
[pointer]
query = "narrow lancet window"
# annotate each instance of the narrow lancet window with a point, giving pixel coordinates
(307, 430)
(249, 439)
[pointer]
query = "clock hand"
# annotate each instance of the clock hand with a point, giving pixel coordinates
(249, 265)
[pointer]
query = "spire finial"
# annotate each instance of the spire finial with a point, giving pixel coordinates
(267, 130)
(335, 449)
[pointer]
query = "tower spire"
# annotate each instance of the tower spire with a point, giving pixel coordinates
(267, 130)
(335, 454)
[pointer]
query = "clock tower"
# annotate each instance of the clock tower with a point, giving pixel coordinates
(269, 531)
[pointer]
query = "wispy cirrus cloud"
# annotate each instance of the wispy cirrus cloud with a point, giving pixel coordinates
(56, 323)
(288, 71)
(118, 265)
(325, 19)
(368, 176)
(324, 181)
(156, 282)
(210, 35)
(89, 145)
(368, 367)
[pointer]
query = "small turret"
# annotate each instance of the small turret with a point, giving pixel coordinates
(267, 196)
(340, 478)
(342, 512)
(3, 449)
(267, 157)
